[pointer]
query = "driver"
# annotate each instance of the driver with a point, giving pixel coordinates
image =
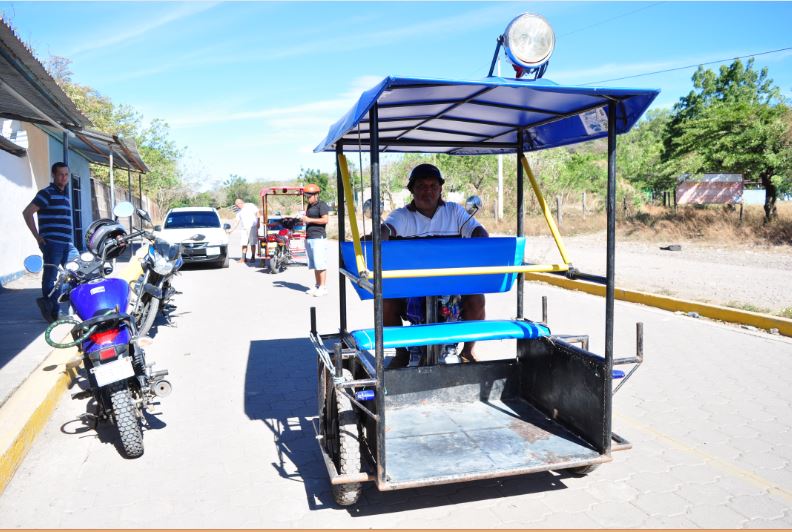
(428, 215)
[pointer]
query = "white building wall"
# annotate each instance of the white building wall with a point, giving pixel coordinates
(20, 179)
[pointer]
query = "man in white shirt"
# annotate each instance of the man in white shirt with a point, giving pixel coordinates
(247, 219)
(428, 215)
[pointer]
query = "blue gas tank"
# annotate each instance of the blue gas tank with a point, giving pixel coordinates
(99, 295)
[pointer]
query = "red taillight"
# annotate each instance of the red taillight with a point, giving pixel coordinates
(107, 353)
(283, 232)
(272, 238)
(105, 337)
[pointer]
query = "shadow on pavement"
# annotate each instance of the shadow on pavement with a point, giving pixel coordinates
(20, 321)
(280, 390)
(106, 432)
(291, 286)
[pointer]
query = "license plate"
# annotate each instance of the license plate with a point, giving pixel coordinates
(212, 251)
(113, 371)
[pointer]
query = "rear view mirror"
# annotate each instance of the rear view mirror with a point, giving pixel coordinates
(143, 215)
(226, 226)
(158, 228)
(123, 210)
(34, 263)
(473, 204)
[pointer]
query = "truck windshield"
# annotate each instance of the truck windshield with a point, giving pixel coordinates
(178, 220)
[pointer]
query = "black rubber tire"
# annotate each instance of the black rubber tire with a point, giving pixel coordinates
(346, 445)
(275, 263)
(148, 315)
(126, 420)
(583, 470)
(224, 263)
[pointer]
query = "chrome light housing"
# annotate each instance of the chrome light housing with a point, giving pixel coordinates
(529, 41)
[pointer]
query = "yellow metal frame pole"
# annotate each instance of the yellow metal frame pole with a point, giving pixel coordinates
(545, 210)
(353, 225)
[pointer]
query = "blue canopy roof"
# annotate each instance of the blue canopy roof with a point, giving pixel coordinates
(483, 116)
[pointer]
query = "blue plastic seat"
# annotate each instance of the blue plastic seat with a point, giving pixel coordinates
(450, 333)
(427, 253)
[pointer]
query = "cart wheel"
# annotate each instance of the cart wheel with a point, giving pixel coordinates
(343, 443)
(583, 470)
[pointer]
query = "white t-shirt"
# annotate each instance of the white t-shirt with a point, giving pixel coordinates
(247, 216)
(447, 220)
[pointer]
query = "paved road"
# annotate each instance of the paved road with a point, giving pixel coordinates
(709, 415)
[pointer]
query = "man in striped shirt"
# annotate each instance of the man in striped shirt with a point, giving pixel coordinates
(54, 234)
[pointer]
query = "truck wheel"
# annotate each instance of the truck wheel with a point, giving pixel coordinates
(583, 470)
(343, 439)
(126, 420)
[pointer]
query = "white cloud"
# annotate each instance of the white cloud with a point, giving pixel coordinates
(116, 36)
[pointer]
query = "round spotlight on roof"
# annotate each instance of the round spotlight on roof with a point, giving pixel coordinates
(529, 42)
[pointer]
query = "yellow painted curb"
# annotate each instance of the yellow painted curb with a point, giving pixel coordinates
(743, 317)
(28, 409)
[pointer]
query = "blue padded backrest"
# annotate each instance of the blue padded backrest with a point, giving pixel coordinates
(441, 253)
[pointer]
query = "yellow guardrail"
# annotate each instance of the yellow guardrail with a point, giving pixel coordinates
(350, 206)
(715, 312)
(545, 209)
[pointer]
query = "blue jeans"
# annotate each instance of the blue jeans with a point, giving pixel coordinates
(55, 254)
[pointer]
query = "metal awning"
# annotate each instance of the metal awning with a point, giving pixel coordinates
(28, 92)
(97, 146)
(483, 116)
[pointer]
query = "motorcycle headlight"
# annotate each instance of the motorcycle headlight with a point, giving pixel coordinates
(72, 266)
(162, 266)
(87, 256)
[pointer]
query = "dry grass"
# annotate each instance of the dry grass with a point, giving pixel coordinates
(718, 225)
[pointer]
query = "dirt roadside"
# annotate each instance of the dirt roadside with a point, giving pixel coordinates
(741, 276)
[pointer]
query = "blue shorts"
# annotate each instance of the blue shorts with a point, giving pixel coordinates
(316, 249)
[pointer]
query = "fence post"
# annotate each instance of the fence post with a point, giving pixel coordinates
(559, 215)
(584, 204)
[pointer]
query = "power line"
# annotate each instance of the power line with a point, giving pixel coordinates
(686, 67)
(610, 19)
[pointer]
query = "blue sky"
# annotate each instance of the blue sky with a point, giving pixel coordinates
(250, 88)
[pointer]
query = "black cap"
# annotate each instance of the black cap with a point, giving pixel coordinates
(424, 171)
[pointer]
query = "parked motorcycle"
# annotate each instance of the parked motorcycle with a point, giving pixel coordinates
(160, 262)
(279, 253)
(119, 379)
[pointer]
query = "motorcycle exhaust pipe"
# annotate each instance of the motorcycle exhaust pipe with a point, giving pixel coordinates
(162, 388)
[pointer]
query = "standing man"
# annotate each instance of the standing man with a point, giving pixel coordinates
(428, 215)
(247, 220)
(315, 219)
(54, 234)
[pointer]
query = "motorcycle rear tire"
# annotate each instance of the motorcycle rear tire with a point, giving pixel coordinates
(148, 315)
(126, 420)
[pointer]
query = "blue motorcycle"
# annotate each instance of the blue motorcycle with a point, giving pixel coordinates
(120, 381)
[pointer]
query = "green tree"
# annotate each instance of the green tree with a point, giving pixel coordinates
(733, 121)
(236, 187)
(164, 180)
(639, 153)
(322, 179)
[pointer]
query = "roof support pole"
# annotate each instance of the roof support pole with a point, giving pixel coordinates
(69, 187)
(610, 267)
(340, 212)
(129, 193)
(520, 217)
(112, 183)
(376, 238)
